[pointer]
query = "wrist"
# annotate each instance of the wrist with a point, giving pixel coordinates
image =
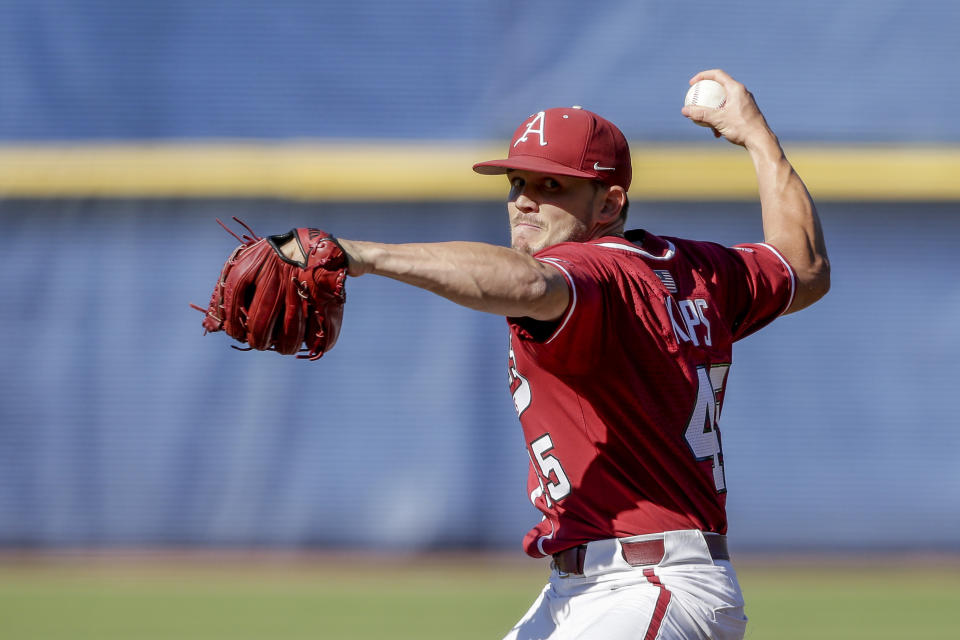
(764, 143)
(357, 265)
(767, 154)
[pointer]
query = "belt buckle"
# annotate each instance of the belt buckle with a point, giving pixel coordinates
(560, 573)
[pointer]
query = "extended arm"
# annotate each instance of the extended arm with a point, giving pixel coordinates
(476, 275)
(790, 221)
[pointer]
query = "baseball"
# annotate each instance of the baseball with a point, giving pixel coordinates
(706, 93)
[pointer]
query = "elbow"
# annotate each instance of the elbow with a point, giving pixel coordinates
(820, 277)
(812, 284)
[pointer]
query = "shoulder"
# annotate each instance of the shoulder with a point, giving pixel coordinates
(641, 255)
(634, 247)
(639, 244)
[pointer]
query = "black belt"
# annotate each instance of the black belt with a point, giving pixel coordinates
(639, 553)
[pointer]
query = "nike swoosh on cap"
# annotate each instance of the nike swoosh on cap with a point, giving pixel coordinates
(597, 167)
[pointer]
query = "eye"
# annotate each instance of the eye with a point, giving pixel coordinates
(516, 187)
(550, 184)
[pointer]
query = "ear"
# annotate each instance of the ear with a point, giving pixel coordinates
(613, 203)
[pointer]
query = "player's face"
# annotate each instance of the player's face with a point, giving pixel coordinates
(546, 209)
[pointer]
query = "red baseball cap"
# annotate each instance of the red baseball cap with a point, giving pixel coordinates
(567, 142)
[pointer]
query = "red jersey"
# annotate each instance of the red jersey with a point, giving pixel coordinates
(620, 399)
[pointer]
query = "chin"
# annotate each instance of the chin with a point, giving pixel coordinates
(527, 245)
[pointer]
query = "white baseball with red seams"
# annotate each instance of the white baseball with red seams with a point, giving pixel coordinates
(706, 93)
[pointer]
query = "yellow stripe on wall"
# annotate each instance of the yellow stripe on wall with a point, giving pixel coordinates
(389, 171)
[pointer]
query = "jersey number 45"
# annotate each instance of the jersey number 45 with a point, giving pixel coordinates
(703, 433)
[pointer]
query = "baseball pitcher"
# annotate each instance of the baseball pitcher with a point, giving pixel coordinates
(620, 350)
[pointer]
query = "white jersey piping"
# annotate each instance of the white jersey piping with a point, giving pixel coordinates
(793, 277)
(543, 539)
(573, 293)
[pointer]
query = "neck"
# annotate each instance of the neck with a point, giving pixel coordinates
(613, 229)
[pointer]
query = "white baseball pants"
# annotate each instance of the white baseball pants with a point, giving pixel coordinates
(686, 596)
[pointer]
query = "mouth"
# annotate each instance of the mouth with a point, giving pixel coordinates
(526, 224)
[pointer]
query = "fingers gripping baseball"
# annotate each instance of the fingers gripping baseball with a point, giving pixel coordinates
(282, 293)
(738, 119)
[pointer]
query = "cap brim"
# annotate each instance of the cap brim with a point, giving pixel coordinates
(529, 163)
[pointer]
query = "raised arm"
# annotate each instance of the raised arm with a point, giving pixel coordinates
(480, 276)
(790, 220)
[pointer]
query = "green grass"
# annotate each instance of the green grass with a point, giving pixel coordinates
(884, 600)
(326, 597)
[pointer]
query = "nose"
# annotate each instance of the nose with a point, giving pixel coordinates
(523, 202)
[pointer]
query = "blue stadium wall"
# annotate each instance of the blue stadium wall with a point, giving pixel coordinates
(867, 70)
(126, 128)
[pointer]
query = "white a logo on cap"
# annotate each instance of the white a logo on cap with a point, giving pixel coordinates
(530, 129)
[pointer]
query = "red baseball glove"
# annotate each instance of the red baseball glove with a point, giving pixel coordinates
(276, 301)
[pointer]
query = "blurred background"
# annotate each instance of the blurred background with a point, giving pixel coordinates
(126, 128)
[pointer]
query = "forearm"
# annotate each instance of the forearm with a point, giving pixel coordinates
(480, 276)
(790, 220)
